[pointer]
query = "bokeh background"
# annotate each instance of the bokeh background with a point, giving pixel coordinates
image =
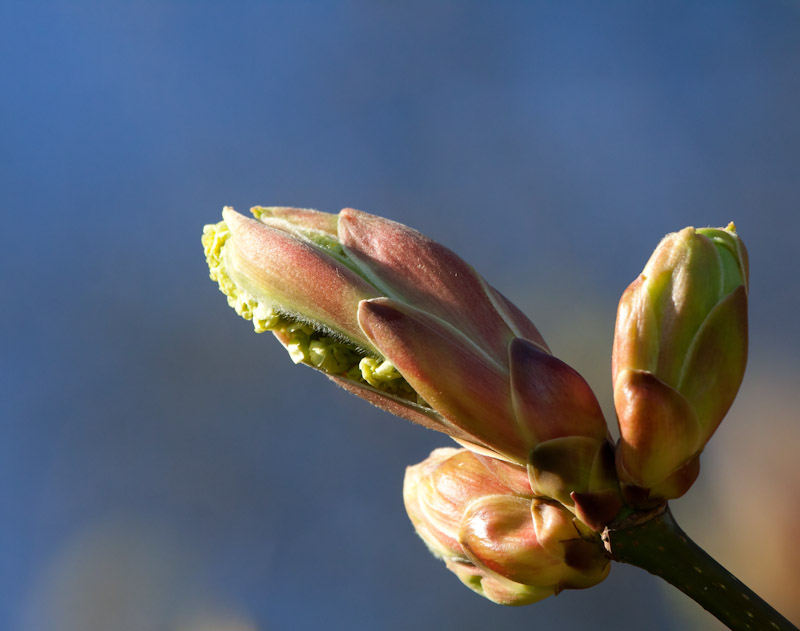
(163, 468)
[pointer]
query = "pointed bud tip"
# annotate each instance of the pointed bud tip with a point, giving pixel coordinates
(384, 309)
(230, 214)
(349, 218)
(240, 224)
(550, 398)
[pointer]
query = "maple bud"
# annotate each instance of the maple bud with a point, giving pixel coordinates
(490, 530)
(680, 350)
(400, 320)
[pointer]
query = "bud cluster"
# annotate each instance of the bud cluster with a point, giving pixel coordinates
(401, 321)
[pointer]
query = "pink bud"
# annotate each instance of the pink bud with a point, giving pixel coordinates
(506, 545)
(402, 321)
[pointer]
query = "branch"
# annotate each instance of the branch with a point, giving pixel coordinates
(654, 542)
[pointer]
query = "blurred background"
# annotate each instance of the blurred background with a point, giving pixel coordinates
(163, 468)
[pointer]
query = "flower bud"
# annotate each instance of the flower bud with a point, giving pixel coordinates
(499, 540)
(680, 350)
(400, 320)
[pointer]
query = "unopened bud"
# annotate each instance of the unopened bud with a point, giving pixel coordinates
(680, 350)
(501, 541)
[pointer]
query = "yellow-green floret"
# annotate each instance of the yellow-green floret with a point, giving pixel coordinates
(306, 344)
(264, 318)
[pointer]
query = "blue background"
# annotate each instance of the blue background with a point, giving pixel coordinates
(162, 467)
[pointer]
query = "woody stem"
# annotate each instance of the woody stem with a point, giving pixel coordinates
(655, 542)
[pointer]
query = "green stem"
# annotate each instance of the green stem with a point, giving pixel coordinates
(654, 542)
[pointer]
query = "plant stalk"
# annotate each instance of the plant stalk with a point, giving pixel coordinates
(654, 542)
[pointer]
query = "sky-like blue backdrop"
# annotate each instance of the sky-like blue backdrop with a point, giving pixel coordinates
(161, 467)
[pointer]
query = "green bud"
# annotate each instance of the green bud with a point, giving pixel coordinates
(680, 350)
